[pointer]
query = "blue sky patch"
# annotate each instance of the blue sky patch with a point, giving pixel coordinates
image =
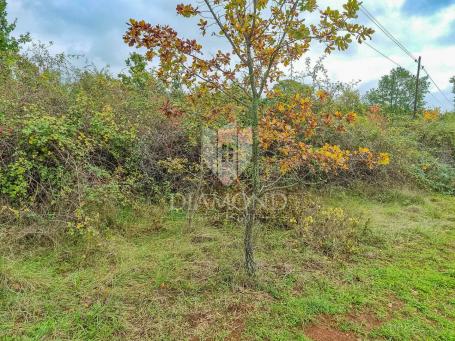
(424, 7)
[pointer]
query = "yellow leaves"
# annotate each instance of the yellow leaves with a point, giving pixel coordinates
(174, 165)
(333, 157)
(309, 220)
(202, 66)
(238, 2)
(336, 213)
(276, 92)
(264, 28)
(285, 167)
(287, 130)
(84, 139)
(431, 115)
(351, 117)
(261, 4)
(15, 212)
(384, 159)
(266, 52)
(308, 5)
(149, 55)
(305, 102)
(371, 159)
(281, 107)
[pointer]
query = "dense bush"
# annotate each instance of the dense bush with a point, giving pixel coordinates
(329, 231)
(435, 167)
(72, 140)
(421, 151)
(78, 143)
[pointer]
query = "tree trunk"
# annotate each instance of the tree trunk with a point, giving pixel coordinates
(250, 264)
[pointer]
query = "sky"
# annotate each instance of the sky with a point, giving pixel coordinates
(95, 29)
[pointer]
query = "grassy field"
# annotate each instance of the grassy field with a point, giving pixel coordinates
(153, 279)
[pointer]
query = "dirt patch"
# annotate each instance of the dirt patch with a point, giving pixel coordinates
(232, 319)
(413, 209)
(318, 332)
(325, 329)
(367, 319)
(240, 312)
(394, 304)
(237, 308)
(197, 318)
(238, 328)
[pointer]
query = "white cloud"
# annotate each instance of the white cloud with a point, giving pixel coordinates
(95, 29)
(420, 35)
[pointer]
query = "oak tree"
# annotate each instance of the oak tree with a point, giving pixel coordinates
(263, 38)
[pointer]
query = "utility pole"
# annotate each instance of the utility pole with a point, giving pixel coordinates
(417, 88)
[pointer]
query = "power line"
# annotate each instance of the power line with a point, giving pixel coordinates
(436, 85)
(435, 98)
(382, 54)
(422, 67)
(400, 45)
(387, 33)
(394, 62)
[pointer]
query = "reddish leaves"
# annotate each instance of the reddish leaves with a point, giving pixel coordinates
(187, 10)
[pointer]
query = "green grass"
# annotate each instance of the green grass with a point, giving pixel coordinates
(157, 280)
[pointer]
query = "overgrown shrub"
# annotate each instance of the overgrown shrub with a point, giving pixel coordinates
(332, 232)
(98, 208)
(69, 139)
(77, 143)
(422, 153)
(326, 230)
(438, 136)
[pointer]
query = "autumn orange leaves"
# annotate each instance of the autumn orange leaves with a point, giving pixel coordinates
(263, 35)
(288, 126)
(431, 115)
(173, 52)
